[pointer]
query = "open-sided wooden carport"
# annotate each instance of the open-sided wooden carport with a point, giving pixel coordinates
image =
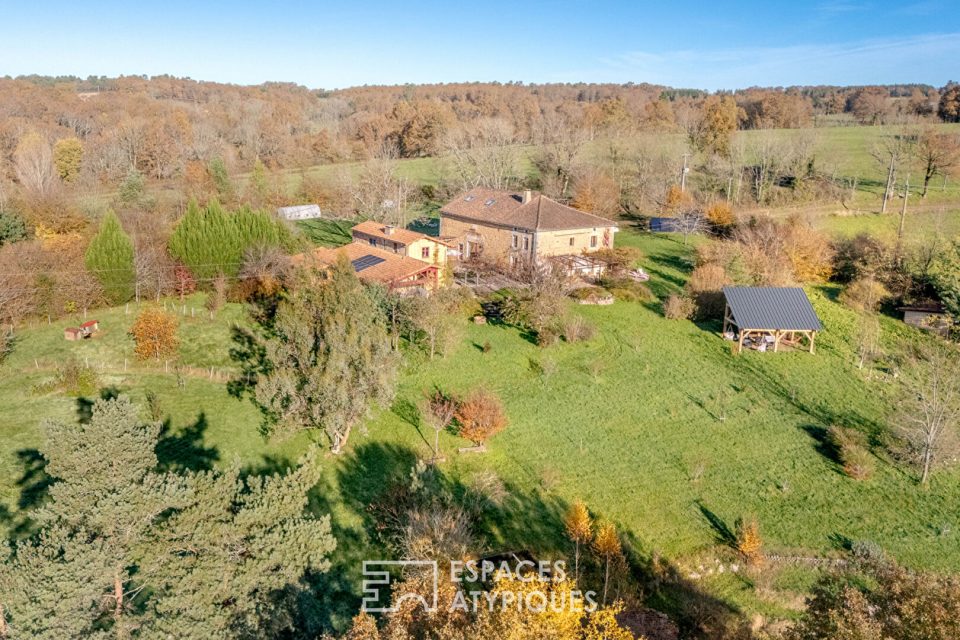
(782, 313)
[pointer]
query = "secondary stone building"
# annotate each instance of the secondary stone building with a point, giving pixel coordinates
(508, 226)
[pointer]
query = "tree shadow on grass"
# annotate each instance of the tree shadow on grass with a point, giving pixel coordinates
(184, 450)
(665, 588)
(85, 405)
(724, 534)
(824, 445)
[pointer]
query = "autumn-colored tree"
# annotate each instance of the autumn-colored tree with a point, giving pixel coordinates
(596, 192)
(720, 214)
(749, 541)
(155, 334)
(579, 527)
(677, 200)
(938, 153)
(607, 546)
(480, 416)
(67, 158)
(949, 107)
(871, 105)
(714, 132)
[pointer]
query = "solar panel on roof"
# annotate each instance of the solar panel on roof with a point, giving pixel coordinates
(489, 202)
(364, 262)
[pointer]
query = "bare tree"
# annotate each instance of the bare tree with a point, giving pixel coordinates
(929, 417)
(559, 159)
(33, 160)
(483, 154)
(689, 223)
(891, 151)
(377, 191)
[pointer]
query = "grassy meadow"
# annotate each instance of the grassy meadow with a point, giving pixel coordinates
(654, 423)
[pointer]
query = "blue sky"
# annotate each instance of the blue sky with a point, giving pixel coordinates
(708, 45)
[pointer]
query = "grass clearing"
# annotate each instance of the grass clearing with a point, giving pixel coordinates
(629, 422)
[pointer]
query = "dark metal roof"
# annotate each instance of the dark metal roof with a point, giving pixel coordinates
(783, 308)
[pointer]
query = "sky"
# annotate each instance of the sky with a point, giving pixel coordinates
(703, 45)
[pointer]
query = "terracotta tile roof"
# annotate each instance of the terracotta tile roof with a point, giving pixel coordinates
(507, 209)
(387, 267)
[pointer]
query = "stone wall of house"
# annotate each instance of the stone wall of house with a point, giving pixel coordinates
(575, 241)
(503, 243)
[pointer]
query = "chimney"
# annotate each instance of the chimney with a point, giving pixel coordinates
(388, 230)
(527, 196)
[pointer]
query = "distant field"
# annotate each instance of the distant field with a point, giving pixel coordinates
(627, 421)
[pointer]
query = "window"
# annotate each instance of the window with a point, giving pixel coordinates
(526, 243)
(373, 242)
(593, 241)
(425, 252)
(516, 242)
(572, 241)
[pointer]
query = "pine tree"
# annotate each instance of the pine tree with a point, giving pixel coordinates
(250, 544)
(110, 258)
(123, 547)
(327, 358)
(210, 241)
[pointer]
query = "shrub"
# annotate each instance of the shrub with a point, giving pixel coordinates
(548, 336)
(864, 294)
(589, 294)
(6, 345)
(480, 416)
(12, 228)
(627, 289)
(618, 260)
(576, 329)
(155, 334)
(218, 295)
(154, 406)
(707, 277)
(678, 307)
(749, 542)
(849, 448)
(487, 347)
(74, 379)
(720, 214)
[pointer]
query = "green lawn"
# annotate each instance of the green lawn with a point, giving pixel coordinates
(627, 421)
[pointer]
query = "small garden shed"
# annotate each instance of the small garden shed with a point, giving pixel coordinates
(763, 317)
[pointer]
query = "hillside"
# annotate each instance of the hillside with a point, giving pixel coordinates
(654, 423)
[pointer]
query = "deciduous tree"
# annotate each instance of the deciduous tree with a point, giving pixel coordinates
(68, 158)
(929, 418)
(480, 416)
(579, 527)
(155, 334)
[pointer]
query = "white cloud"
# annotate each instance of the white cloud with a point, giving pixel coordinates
(924, 58)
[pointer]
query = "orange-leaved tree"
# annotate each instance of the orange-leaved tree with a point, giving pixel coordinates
(155, 334)
(481, 416)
